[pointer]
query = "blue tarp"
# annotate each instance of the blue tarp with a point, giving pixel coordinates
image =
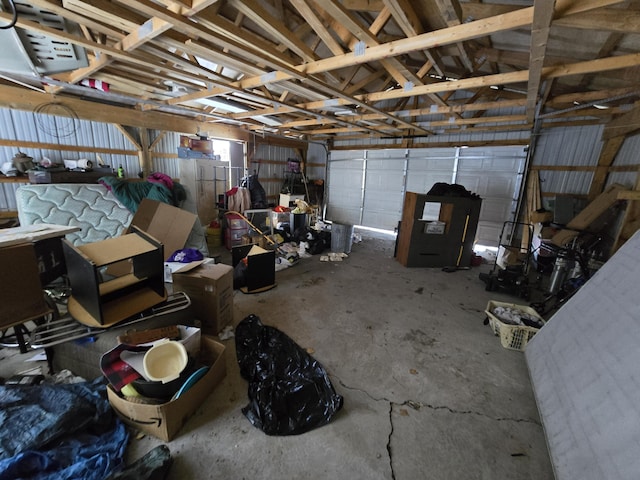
(59, 432)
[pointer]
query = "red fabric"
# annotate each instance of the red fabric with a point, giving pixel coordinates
(118, 372)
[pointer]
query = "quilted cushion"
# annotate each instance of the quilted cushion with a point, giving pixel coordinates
(91, 207)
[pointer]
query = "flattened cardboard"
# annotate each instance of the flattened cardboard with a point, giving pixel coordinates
(210, 288)
(165, 421)
(21, 297)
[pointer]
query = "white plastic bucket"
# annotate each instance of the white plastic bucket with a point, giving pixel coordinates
(165, 361)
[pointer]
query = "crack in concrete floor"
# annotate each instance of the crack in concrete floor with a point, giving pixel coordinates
(418, 406)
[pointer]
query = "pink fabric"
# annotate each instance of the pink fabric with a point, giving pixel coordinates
(161, 178)
(108, 187)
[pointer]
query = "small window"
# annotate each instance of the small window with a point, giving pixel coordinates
(222, 148)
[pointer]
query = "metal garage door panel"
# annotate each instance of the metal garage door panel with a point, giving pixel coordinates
(488, 233)
(395, 153)
(491, 185)
(495, 175)
(384, 192)
(345, 194)
(432, 153)
(423, 173)
(492, 172)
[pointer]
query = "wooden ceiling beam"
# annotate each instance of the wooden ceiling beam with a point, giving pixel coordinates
(446, 36)
(126, 57)
(405, 16)
(428, 111)
(604, 19)
(273, 26)
(451, 16)
(21, 99)
(623, 125)
(318, 26)
(540, 28)
(583, 97)
(578, 68)
(398, 71)
(139, 35)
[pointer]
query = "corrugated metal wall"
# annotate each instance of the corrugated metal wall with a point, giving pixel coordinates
(628, 155)
(576, 148)
(269, 162)
(50, 131)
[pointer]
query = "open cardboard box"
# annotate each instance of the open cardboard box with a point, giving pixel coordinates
(210, 288)
(165, 421)
(170, 225)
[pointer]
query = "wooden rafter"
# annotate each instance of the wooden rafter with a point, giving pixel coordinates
(400, 67)
(542, 16)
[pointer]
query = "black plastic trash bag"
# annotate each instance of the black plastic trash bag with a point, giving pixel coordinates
(289, 391)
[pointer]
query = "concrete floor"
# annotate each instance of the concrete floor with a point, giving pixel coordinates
(428, 390)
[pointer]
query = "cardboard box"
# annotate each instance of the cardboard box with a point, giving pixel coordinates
(198, 145)
(166, 223)
(210, 288)
(508, 256)
(541, 216)
(287, 200)
(21, 298)
(165, 421)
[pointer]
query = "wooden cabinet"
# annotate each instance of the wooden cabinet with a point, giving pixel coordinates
(423, 240)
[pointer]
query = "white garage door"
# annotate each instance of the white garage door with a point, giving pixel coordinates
(366, 187)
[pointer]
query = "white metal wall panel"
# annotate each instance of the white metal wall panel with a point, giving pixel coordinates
(384, 190)
(496, 175)
(345, 181)
(316, 161)
(628, 153)
(567, 146)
